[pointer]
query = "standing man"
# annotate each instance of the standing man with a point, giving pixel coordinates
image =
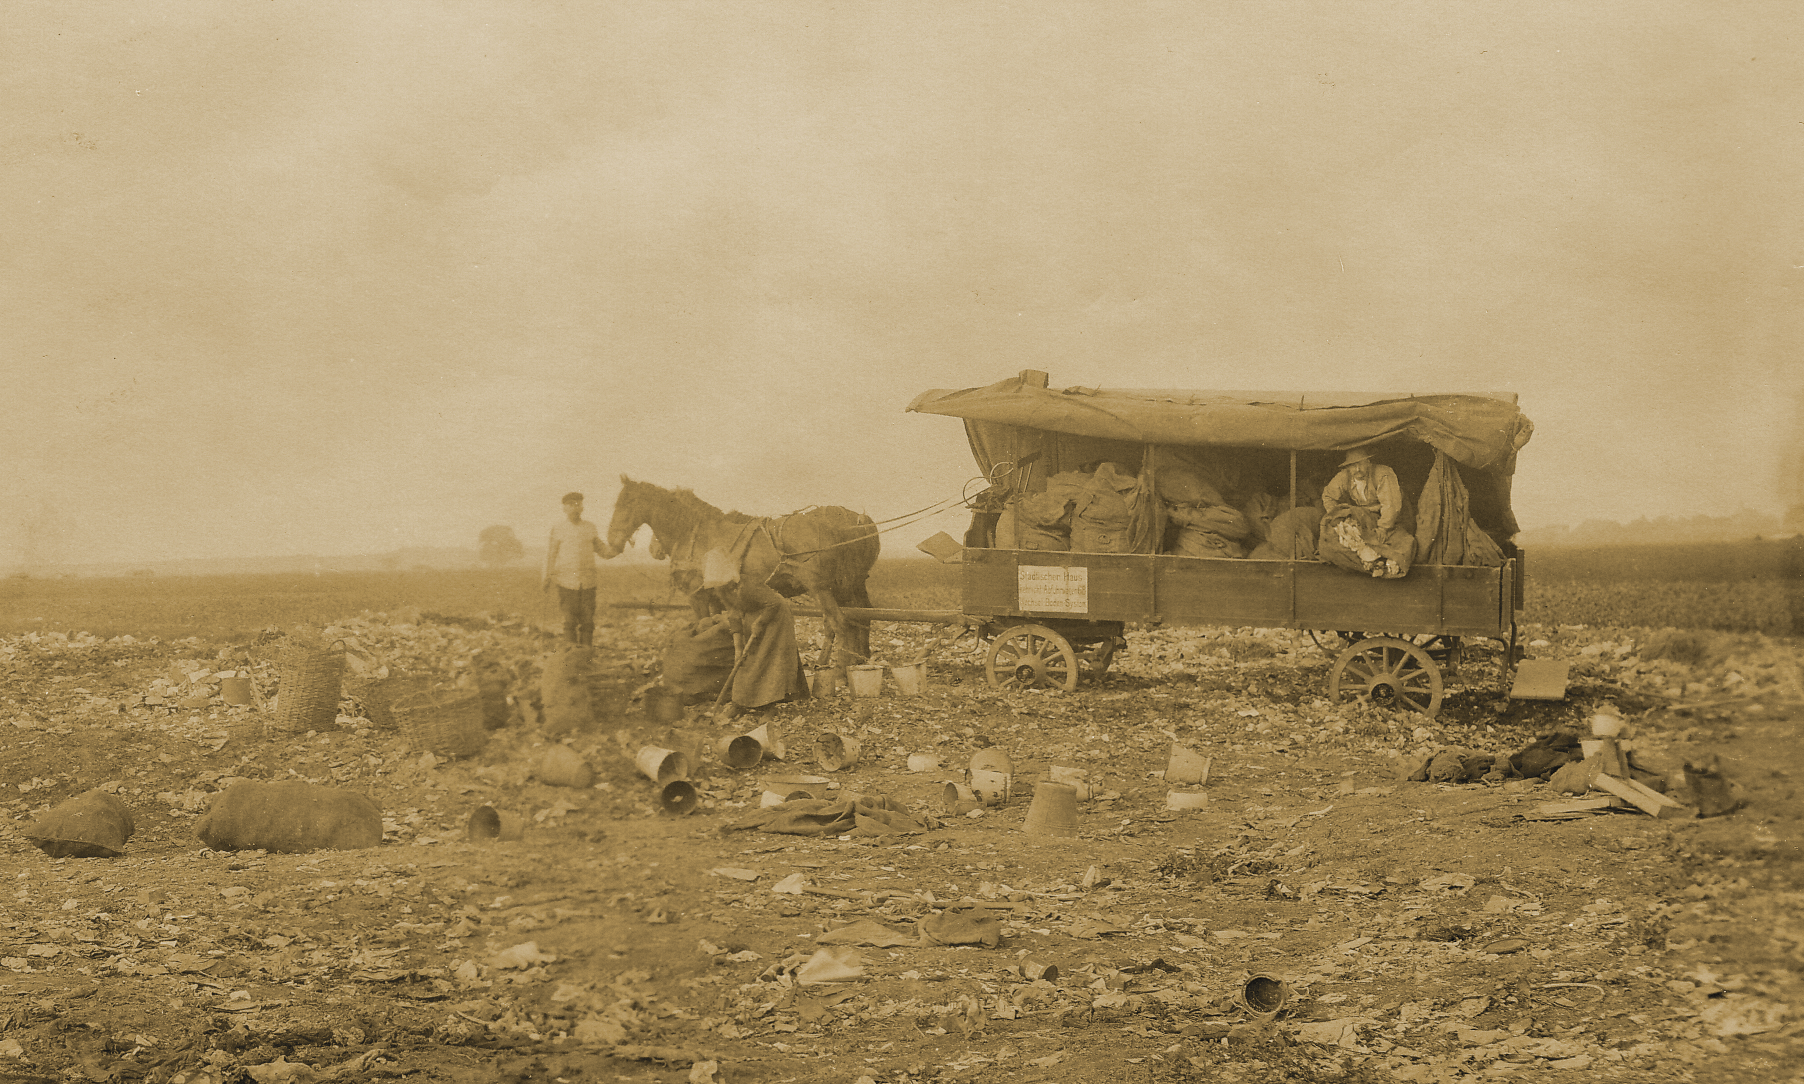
(570, 563)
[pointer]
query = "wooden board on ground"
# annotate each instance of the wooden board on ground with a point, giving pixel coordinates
(1540, 679)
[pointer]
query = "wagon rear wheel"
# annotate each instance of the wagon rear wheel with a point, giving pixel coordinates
(1387, 672)
(1028, 656)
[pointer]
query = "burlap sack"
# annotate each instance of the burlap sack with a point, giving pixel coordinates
(698, 659)
(562, 766)
(91, 825)
(290, 818)
(564, 691)
(492, 684)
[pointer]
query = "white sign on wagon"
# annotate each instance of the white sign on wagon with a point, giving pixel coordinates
(1052, 589)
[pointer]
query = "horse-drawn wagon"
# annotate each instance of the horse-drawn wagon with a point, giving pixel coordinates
(1051, 614)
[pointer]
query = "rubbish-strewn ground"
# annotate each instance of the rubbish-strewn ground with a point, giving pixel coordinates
(1426, 932)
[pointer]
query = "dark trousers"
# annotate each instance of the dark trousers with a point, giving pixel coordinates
(578, 605)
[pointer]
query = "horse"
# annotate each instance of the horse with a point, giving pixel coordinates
(825, 553)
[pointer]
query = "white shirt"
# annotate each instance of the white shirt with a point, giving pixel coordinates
(570, 560)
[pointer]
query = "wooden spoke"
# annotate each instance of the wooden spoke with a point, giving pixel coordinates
(1027, 656)
(1389, 673)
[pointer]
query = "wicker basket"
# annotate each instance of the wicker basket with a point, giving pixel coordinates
(443, 721)
(378, 695)
(309, 688)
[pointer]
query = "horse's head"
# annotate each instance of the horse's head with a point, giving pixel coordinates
(630, 510)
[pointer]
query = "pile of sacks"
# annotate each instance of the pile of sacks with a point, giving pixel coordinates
(1209, 524)
(1087, 512)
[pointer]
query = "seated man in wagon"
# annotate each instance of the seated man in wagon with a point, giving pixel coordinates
(1361, 507)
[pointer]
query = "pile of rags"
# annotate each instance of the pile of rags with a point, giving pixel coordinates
(859, 815)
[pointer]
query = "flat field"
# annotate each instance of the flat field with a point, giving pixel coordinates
(1425, 931)
(1752, 586)
(1734, 587)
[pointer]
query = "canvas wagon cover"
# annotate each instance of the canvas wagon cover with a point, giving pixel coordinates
(1480, 431)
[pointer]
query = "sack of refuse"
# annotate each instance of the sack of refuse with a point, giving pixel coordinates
(91, 825)
(290, 818)
(564, 691)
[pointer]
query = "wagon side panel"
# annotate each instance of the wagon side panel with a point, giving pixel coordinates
(1445, 599)
(1041, 583)
(1211, 591)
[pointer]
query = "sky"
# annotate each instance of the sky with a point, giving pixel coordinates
(338, 278)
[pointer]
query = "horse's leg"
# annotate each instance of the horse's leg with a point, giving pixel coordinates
(833, 623)
(857, 633)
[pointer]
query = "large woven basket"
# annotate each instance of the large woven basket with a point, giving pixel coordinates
(378, 695)
(443, 721)
(308, 689)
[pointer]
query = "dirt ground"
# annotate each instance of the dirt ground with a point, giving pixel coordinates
(1423, 931)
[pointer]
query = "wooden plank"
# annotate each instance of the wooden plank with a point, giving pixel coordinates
(1540, 679)
(1611, 755)
(1649, 801)
(862, 613)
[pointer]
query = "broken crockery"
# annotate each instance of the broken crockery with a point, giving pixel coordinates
(235, 690)
(959, 799)
(991, 787)
(662, 765)
(678, 797)
(1053, 812)
(1265, 995)
(798, 786)
(867, 681)
(488, 824)
(1034, 971)
(992, 760)
(911, 678)
(767, 739)
(835, 752)
(828, 681)
(1186, 765)
(1077, 778)
(740, 752)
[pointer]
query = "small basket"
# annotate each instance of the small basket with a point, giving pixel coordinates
(377, 696)
(443, 721)
(309, 688)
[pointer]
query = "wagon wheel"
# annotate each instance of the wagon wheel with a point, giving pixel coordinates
(1443, 648)
(1389, 672)
(1332, 641)
(1031, 655)
(1096, 659)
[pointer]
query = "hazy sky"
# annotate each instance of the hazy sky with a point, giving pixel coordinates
(335, 278)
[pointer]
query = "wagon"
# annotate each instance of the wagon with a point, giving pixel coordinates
(1051, 616)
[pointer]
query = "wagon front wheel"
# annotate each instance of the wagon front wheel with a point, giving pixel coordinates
(1387, 672)
(1028, 656)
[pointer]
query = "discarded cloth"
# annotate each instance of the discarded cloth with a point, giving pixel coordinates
(1543, 756)
(861, 816)
(961, 928)
(867, 932)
